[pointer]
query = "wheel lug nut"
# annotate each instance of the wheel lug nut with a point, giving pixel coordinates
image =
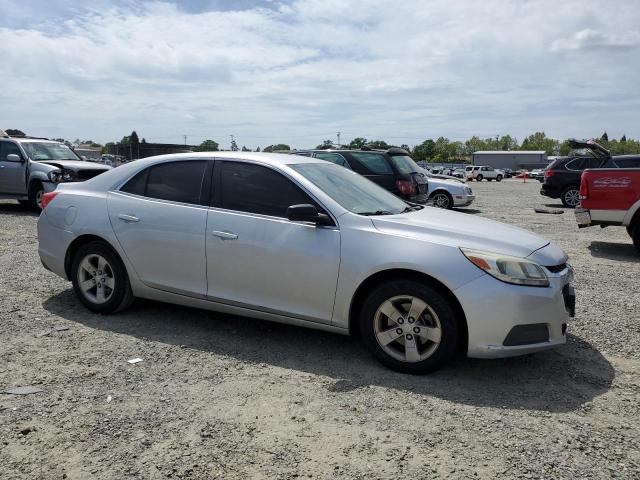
(399, 331)
(94, 280)
(99, 272)
(400, 321)
(411, 320)
(94, 273)
(416, 330)
(409, 337)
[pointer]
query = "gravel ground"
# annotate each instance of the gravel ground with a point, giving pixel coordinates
(226, 397)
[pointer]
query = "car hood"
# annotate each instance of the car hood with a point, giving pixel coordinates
(75, 165)
(468, 231)
(439, 182)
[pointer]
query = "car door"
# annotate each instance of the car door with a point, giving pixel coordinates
(12, 174)
(256, 257)
(159, 218)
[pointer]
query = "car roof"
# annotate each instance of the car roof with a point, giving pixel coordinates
(263, 157)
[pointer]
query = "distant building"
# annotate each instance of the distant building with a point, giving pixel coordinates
(513, 159)
(88, 151)
(133, 151)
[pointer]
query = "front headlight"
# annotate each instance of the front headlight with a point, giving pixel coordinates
(67, 176)
(55, 176)
(515, 270)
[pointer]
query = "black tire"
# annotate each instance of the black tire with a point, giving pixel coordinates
(444, 351)
(479, 178)
(499, 178)
(570, 196)
(35, 195)
(24, 203)
(489, 179)
(635, 235)
(441, 193)
(121, 295)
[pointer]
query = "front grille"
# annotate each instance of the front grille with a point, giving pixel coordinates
(557, 268)
(87, 174)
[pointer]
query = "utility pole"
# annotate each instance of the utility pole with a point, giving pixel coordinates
(185, 140)
(339, 139)
(497, 144)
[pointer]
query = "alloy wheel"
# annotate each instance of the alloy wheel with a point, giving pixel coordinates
(39, 195)
(572, 197)
(441, 200)
(407, 328)
(96, 279)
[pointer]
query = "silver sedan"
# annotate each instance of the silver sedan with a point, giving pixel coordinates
(305, 242)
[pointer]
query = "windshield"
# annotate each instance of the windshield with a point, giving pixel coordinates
(43, 151)
(352, 191)
(405, 164)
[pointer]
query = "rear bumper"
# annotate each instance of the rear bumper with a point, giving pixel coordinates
(549, 191)
(583, 217)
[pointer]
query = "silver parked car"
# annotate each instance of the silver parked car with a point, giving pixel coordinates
(306, 242)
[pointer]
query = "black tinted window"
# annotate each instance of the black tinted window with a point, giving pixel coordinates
(577, 164)
(137, 184)
(251, 188)
(7, 148)
(628, 162)
(373, 162)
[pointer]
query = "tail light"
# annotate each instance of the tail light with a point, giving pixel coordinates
(47, 198)
(548, 173)
(584, 187)
(406, 187)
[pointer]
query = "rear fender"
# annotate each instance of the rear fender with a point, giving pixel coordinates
(631, 214)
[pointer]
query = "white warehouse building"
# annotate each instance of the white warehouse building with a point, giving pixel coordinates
(513, 159)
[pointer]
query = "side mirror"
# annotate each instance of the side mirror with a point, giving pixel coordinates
(307, 213)
(12, 157)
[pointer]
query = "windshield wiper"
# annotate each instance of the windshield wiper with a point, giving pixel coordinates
(412, 208)
(377, 212)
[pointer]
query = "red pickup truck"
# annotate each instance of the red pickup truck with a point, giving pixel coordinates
(611, 196)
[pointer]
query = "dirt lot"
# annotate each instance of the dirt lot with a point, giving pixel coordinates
(225, 397)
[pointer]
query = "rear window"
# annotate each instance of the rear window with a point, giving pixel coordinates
(404, 164)
(577, 164)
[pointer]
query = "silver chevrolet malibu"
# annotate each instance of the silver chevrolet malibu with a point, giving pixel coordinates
(306, 242)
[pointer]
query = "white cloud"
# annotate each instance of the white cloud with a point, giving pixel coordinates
(300, 71)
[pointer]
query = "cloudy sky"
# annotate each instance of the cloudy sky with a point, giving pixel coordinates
(298, 71)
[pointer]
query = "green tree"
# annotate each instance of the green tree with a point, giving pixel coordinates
(257, 149)
(357, 143)
(14, 132)
(207, 146)
(623, 139)
(540, 141)
(133, 138)
(325, 145)
(564, 148)
(425, 151)
(245, 149)
(442, 149)
(604, 138)
(234, 145)
(277, 148)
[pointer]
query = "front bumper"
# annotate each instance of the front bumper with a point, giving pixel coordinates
(493, 308)
(583, 217)
(463, 200)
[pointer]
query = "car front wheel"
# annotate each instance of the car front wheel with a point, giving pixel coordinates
(499, 178)
(570, 197)
(36, 192)
(442, 200)
(100, 278)
(409, 327)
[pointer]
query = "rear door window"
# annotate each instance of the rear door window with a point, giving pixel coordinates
(371, 163)
(172, 181)
(627, 162)
(577, 165)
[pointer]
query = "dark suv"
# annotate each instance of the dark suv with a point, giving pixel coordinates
(388, 168)
(562, 176)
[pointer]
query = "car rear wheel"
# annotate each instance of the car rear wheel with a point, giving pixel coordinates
(100, 278)
(570, 196)
(479, 178)
(409, 327)
(442, 200)
(499, 178)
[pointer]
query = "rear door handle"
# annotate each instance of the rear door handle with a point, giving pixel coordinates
(128, 218)
(224, 235)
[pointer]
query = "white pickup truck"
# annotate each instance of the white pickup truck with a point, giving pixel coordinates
(479, 172)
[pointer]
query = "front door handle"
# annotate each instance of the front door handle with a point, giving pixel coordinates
(224, 235)
(128, 218)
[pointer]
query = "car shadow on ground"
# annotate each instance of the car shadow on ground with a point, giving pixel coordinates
(624, 252)
(556, 205)
(16, 210)
(555, 381)
(471, 211)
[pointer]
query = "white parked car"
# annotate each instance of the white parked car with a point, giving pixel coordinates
(479, 173)
(445, 193)
(307, 242)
